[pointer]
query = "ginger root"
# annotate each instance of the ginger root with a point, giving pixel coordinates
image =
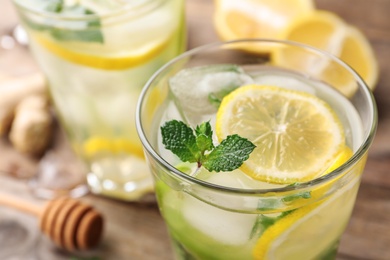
(32, 128)
(13, 91)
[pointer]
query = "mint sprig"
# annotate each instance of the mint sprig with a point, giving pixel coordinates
(90, 33)
(197, 146)
(85, 31)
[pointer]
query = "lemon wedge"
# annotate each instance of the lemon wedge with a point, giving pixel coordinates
(97, 144)
(99, 59)
(326, 31)
(256, 18)
(297, 135)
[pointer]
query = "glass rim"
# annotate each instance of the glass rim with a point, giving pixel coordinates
(135, 9)
(357, 155)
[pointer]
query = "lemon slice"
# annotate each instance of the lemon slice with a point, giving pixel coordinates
(307, 224)
(97, 144)
(327, 31)
(256, 18)
(99, 59)
(297, 135)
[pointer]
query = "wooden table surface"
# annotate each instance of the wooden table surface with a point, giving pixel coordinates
(136, 230)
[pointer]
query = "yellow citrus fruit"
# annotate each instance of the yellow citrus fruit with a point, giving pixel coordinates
(256, 18)
(100, 58)
(308, 223)
(97, 144)
(297, 135)
(358, 53)
(326, 31)
(343, 156)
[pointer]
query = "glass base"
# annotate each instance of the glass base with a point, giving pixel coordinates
(120, 176)
(181, 253)
(129, 190)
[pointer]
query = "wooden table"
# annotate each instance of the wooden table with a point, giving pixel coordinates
(137, 231)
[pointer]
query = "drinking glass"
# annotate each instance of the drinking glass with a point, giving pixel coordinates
(229, 215)
(96, 56)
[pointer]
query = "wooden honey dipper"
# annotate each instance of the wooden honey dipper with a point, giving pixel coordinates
(69, 223)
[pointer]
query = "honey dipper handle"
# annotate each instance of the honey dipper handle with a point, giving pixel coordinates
(16, 203)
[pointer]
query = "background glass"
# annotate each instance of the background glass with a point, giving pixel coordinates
(96, 57)
(207, 221)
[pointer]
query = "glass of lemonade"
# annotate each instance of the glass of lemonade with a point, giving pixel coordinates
(257, 148)
(96, 56)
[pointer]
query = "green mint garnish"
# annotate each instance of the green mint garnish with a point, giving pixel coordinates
(86, 31)
(263, 222)
(230, 154)
(88, 34)
(197, 146)
(55, 6)
(300, 195)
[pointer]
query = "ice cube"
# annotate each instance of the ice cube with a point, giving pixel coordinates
(197, 91)
(224, 226)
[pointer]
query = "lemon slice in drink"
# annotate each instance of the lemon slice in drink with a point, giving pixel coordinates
(97, 144)
(308, 223)
(297, 135)
(97, 57)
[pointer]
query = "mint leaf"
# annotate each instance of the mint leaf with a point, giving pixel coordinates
(229, 155)
(180, 139)
(86, 31)
(89, 33)
(55, 6)
(300, 195)
(198, 147)
(263, 222)
(204, 129)
(204, 137)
